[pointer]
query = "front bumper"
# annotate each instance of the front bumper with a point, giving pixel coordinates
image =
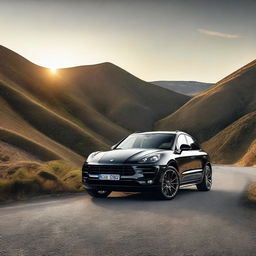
(132, 177)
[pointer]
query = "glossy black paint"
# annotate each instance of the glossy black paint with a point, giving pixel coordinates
(188, 161)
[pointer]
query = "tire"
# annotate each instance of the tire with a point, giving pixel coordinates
(98, 193)
(169, 184)
(206, 183)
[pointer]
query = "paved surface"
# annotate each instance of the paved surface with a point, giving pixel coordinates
(219, 222)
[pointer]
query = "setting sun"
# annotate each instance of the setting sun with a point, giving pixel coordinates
(53, 70)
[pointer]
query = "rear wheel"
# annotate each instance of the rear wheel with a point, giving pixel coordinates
(206, 183)
(98, 193)
(170, 184)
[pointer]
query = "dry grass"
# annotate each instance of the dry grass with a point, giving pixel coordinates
(252, 192)
(26, 144)
(233, 144)
(17, 132)
(4, 157)
(249, 158)
(25, 179)
(49, 123)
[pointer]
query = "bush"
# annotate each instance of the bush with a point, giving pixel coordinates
(47, 176)
(24, 179)
(4, 158)
(59, 167)
(73, 180)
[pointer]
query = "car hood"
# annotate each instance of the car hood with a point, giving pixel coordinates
(122, 155)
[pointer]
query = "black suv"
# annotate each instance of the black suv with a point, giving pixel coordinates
(156, 161)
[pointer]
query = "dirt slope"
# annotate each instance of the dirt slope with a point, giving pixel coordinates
(236, 143)
(249, 158)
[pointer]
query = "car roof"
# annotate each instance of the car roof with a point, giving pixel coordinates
(157, 132)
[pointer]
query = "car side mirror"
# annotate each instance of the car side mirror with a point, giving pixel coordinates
(194, 146)
(184, 147)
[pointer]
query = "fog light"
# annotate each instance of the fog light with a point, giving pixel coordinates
(150, 181)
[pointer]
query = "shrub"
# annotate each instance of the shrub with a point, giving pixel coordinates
(24, 179)
(73, 180)
(47, 175)
(4, 158)
(59, 167)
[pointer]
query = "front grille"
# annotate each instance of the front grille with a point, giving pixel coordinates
(112, 183)
(124, 170)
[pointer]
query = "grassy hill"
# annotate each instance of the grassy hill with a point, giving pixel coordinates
(223, 117)
(236, 143)
(190, 88)
(120, 96)
(76, 111)
(213, 110)
(249, 158)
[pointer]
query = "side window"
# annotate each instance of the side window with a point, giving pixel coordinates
(192, 143)
(181, 140)
(190, 140)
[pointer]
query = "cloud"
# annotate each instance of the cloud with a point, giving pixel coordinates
(218, 34)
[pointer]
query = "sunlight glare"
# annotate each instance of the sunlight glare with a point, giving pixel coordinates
(53, 70)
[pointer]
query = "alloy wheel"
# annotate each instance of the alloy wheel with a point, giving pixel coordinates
(170, 183)
(208, 177)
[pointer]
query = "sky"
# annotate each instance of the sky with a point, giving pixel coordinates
(197, 40)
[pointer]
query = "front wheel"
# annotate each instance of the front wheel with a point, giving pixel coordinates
(98, 193)
(206, 183)
(170, 184)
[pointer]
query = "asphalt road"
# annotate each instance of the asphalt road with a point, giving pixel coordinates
(219, 222)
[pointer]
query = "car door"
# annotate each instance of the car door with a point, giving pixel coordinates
(195, 167)
(182, 157)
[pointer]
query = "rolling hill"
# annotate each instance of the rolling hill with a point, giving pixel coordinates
(235, 143)
(190, 88)
(76, 111)
(223, 117)
(67, 115)
(120, 96)
(211, 111)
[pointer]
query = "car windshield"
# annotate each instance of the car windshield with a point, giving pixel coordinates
(153, 140)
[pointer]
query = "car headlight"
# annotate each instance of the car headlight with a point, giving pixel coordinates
(92, 155)
(150, 159)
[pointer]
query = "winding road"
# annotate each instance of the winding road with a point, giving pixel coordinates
(219, 222)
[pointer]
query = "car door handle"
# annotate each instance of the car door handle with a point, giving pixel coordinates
(193, 157)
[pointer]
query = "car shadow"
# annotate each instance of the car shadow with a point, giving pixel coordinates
(141, 196)
(218, 203)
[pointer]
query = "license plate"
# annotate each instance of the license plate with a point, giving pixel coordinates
(109, 177)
